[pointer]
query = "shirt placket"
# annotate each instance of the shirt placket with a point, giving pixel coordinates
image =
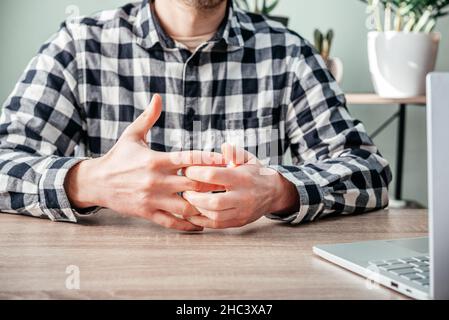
(191, 120)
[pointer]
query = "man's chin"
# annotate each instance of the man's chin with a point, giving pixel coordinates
(204, 4)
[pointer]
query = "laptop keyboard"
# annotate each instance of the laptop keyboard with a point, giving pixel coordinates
(415, 269)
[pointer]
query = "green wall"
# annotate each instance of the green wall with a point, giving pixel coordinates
(26, 24)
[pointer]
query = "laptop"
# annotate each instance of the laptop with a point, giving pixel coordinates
(418, 268)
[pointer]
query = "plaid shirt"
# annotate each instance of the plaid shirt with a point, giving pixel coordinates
(255, 83)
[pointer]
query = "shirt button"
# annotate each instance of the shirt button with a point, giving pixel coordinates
(191, 114)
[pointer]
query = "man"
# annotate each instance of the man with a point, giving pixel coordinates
(75, 132)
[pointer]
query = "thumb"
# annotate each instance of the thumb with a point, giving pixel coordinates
(234, 155)
(140, 127)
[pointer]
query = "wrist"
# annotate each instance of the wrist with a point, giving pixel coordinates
(80, 183)
(286, 197)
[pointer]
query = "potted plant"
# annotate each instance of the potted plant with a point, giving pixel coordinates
(323, 43)
(264, 7)
(403, 47)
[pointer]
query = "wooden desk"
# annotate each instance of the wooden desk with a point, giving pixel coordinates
(401, 116)
(129, 258)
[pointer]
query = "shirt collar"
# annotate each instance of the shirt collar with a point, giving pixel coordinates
(150, 32)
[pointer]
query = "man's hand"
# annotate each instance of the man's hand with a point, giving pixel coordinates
(134, 180)
(251, 191)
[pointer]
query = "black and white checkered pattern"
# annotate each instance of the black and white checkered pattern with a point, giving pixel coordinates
(255, 84)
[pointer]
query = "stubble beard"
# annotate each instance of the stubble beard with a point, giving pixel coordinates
(204, 4)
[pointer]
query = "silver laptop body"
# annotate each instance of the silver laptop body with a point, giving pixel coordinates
(418, 268)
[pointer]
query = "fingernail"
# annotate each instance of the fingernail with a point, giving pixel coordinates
(148, 108)
(152, 100)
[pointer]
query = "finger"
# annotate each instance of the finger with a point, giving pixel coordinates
(140, 127)
(183, 159)
(171, 222)
(213, 202)
(221, 216)
(213, 175)
(212, 224)
(207, 188)
(234, 155)
(177, 205)
(177, 184)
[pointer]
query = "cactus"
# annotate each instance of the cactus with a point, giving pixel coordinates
(409, 15)
(323, 43)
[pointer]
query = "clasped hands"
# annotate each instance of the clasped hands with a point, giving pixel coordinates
(137, 181)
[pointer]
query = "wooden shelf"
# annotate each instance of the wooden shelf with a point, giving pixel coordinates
(371, 99)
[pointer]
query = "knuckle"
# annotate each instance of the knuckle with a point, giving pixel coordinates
(150, 183)
(149, 163)
(153, 163)
(145, 212)
(149, 202)
(146, 206)
(142, 199)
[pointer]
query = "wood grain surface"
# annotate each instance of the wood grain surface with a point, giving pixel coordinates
(369, 98)
(126, 258)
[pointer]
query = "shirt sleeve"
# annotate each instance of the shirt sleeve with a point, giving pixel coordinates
(337, 168)
(40, 127)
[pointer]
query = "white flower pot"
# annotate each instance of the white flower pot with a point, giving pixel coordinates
(399, 62)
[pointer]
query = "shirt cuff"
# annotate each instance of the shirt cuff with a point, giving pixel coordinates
(310, 195)
(53, 199)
